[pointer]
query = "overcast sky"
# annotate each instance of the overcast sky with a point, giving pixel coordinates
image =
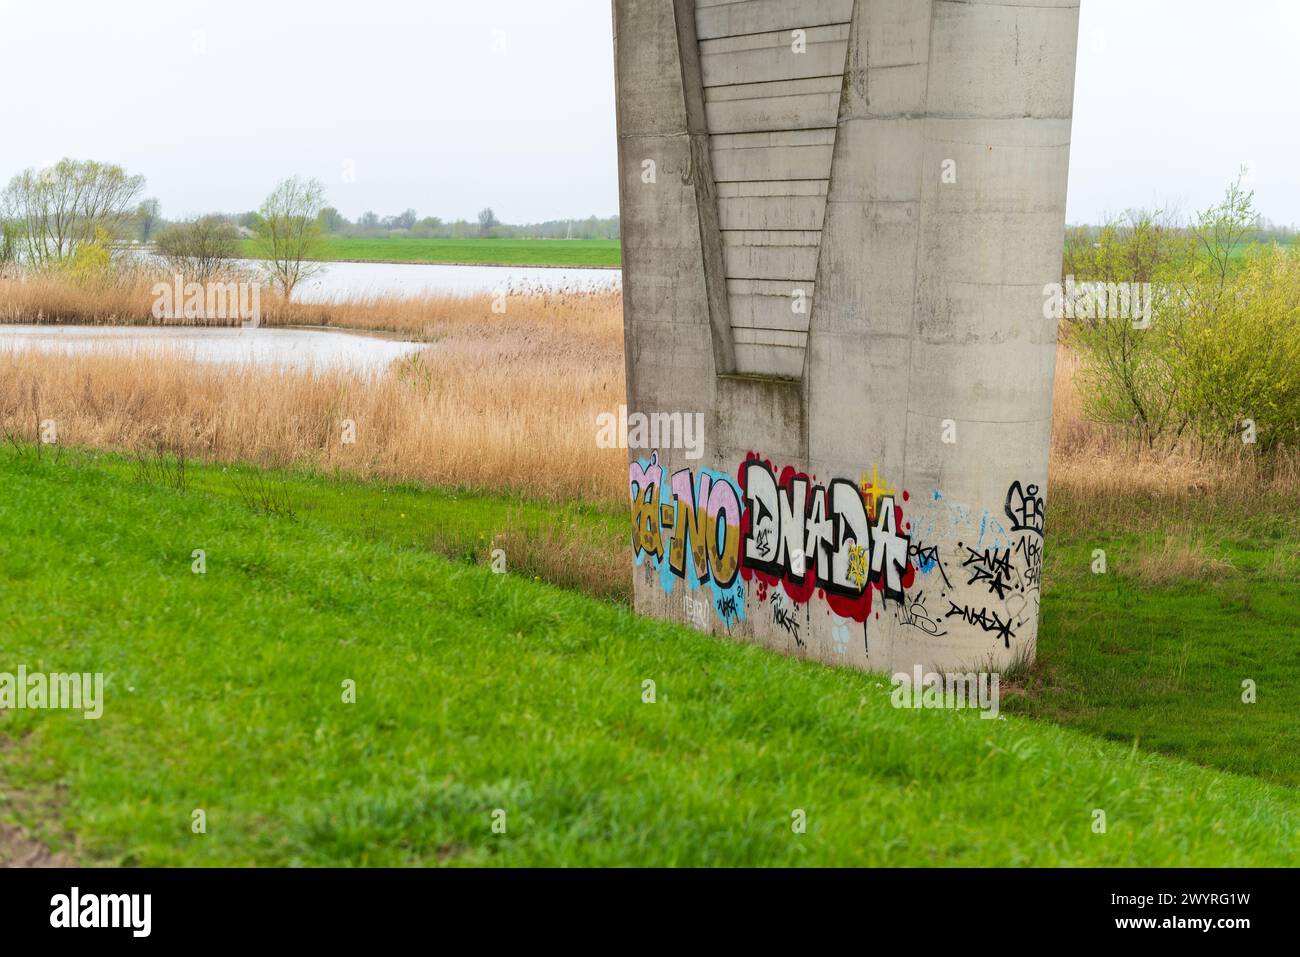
(451, 106)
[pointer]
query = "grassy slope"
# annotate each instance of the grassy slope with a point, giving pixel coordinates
(1163, 662)
(1118, 656)
(503, 252)
(478, 691)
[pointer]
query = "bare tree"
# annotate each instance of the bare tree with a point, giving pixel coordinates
(487, 221)
(288, 232)
(201, 249)
(69, 204)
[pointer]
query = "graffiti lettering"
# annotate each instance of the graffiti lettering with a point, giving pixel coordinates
(927, 560)
(807, 536)
(988, 620)
(701, 518)
(792, 538)
(784, 617)
(1025, 508)
(1031, 551)
(913, 612)
(991, 566)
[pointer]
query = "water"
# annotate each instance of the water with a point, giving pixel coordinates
(305, 348)
(341, 280)
(273, 348)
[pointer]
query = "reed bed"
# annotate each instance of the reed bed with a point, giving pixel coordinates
(587, 319)
(497, 401)
(500, 401)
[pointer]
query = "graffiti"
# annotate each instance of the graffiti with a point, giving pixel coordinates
(806, 536)
(950, 521)
(728, 609)
(840, 635)
(985, 619)
(913, 612)
(992, 567)
(927, 560)
(1025, 508)
(694, 611)
(858, 565)
(700, 520)
(784, 618)
(1018, 608)
(789, 538)
(1031, 552)
(874, 491)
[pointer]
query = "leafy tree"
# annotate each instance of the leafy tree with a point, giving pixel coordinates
(1221, 351)
(331, 220)
(148, 219)
(69, 204)
(9, 237)
(201, 249)
(91, 261)
(288, 232)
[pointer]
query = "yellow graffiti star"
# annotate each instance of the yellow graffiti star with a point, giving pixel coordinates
(858, 565)
(874, 491)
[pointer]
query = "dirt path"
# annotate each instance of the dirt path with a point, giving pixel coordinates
(19, 850)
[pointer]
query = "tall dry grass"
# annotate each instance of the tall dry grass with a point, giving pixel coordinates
(126, 299)
(496, 401)
(1098, 477)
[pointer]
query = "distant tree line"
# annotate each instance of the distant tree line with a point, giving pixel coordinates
(1260, 230)
(408, 224)
(147, 223)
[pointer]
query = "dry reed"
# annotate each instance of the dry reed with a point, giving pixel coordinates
(498, 402)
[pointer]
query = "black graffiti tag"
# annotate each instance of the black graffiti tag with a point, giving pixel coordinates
(988, 620)
(1031, 551)
(784, 617)
(914, 613)
(726, 606)
(1025, 508)
(990, 566)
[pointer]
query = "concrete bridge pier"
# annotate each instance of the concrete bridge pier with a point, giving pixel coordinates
(839, 218)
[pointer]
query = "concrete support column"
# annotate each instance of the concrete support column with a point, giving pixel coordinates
(848, 285)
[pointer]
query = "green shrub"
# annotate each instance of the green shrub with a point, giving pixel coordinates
(1219, 360)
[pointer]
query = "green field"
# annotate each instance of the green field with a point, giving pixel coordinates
(474, 252)
(478, 692)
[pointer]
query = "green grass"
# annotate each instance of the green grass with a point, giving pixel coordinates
(478, 691)
(1165, 665)
(1119, 658)
(477, 252)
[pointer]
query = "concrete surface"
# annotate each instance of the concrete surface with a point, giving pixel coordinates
(838, 220)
